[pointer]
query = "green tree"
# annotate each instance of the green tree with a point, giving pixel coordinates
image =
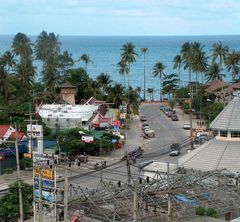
(116, 94)
(104, 80)
(177, 64)
(232, 63)
(214, 72)
(65, 61)
(170, 84)
(219, 52)
(86, 59)
(22, 48)
(133, 101)
(94, 87)
(150, 91)
(158, 70)
(128, 56)
(80, 79)
(123, 69)
(144, 51)
(47, 49)
(7, 87)
(9, 203)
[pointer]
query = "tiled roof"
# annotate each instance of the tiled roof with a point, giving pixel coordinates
(229, 118)
(215, 85)
(14, 135)
(3, 130)
(67, 85)
(213, 155)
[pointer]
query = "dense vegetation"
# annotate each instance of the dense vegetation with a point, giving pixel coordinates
(9, 203)
(19, 86)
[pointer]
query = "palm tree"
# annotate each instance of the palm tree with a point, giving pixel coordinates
(8, 60)
(219, 51)
(7, 87)
(150, 92)
(133, 100)
(144, 51)
(47, 49)
(123, 69)
(128, 56)
(199, 61)
(94, 86)
(214, 73)
(65, 61)
(104, 80)
(170, 84)
(116, 94)
(138, 90)
(158, 69)
(232, 63)
(86, 59)
(22, 47)
(177, 64)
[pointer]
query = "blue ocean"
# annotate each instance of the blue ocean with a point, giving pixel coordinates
(105, 51)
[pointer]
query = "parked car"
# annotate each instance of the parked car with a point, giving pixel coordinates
(174, 117)
(169, 114)
(143, 118)
(145, 124)
(174, 153)
(186, 126)
(162, 107)
(175, 146)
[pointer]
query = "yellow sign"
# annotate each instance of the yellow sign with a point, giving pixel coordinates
(27, 155)
(46, 173)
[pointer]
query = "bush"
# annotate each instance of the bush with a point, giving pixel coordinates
(8, 171)
(25, 163)
(212, 213)
(200, 211)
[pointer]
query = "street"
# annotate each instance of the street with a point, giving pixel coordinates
(157, 149)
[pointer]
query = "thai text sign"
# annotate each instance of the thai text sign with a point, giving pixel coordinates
(36, 131)
(46, 173)
(87, 139)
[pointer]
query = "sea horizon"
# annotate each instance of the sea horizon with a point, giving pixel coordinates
(105, 51)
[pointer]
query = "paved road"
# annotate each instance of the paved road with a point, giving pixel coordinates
(166, 131)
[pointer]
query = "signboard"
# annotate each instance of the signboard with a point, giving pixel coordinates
(46, 184)
(27, 155)
(122, 115)
(46, 173)
(87, 139)
(46, 195)
(37, 131)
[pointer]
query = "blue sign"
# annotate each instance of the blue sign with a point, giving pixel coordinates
(45, 183)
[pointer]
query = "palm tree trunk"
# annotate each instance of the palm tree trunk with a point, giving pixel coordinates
(144, 81)
(160, 89)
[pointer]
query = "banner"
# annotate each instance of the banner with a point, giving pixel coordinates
(46, 173)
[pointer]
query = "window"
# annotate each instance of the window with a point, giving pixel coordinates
(235, 134)
(223, 133)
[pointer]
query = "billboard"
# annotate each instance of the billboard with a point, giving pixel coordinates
(37, 131)
(46, 173)
(46, 184)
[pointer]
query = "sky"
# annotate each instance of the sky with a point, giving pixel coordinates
(120, 17)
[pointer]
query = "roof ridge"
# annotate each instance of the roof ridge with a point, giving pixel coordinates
(222, 154)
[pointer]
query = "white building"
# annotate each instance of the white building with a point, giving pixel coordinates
(64, 116)
(222, 152)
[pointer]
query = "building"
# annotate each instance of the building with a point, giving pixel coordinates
(8, 132)
(221, 152)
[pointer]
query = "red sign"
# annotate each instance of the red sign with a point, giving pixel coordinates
(87, 139)
(1, 156)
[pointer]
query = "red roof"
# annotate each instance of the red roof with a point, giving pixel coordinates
(14, 135)
(3, 130)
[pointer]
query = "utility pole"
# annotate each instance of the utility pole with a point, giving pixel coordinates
(169, 195)
(65, 193)
(40, 210)
(135, 204)
(190, 109)
(19, 179)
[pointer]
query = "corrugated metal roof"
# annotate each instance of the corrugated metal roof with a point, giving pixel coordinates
(213, 155)
(229, 118)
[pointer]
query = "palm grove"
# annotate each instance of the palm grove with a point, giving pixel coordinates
(18, 82)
